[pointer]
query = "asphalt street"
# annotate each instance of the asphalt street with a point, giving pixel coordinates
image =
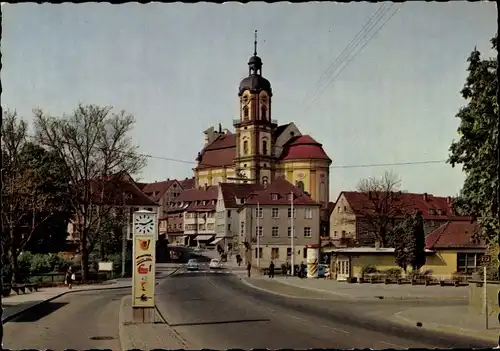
(218, 311)
(82, 320)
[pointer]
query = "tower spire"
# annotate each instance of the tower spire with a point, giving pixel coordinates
(255, 44)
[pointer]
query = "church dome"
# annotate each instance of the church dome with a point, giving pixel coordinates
(304, 148)
(255, 83)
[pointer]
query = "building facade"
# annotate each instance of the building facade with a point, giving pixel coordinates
(268, 214)
(349, 227)
(261, 150)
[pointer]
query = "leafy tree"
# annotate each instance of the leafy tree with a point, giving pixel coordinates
(97, 150)
(476, 148)
(34, 192)
(409, 242)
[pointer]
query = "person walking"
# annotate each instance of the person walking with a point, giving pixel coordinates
(70, 277)
(249, 269)
(271, 269)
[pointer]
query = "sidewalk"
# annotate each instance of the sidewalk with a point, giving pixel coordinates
(459, 320)
(375, 291)
(14, 305)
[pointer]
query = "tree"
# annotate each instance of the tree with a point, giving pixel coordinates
(409, 242)
(97, 152)
(476, 148)
(34, 191)
(380, 206)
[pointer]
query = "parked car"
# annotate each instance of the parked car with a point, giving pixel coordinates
(193, 265)
(322, 268)
(215, 264)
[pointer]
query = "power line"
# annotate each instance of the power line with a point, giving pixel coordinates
(170, 159)
(354, 56)
(348, 49)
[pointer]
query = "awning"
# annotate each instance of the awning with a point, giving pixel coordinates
(183, 237)
(203, 237)
(217, 240)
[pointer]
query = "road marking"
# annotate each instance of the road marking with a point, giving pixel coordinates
(393, 345)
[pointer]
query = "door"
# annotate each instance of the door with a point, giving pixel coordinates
(343, 269)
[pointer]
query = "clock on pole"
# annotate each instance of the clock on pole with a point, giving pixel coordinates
(144, 223)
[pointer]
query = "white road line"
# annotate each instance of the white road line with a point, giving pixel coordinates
(394, 345)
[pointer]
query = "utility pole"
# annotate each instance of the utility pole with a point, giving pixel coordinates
(258, 236)
(292, 260)
(125, 236)
(498, 154)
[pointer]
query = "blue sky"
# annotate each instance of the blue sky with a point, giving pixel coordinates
(176, 68)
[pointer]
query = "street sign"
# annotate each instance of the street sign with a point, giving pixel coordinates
(485, 259)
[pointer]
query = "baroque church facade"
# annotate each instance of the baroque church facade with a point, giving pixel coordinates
(260, 149)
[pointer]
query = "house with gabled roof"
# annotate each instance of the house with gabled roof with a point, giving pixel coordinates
(268, 213)
(231, 196)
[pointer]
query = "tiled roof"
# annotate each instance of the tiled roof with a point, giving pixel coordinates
(453, 235)
(141, 185)
(279, 130)
(220, 153)
(304, 148)
(203, 198)
(231, 191)
(187, 183)
(119, 192)
(282, 188)
(331, 206)
(157, 189)
(432, 207)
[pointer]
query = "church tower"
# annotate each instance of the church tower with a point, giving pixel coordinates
(255, 162)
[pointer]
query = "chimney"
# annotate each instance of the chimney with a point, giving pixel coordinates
(426, 197)
(448, 200)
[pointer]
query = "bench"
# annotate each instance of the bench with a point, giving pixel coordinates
(24, 286)
(32, 286)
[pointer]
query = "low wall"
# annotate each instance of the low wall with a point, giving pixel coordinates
(476, 296)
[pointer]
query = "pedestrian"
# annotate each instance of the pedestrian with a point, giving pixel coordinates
(271, 269)
(70, 277)
(249, 269)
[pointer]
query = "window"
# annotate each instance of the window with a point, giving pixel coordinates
(308, 213)
(228, 213)
(245, 147)
(290, 197)
(343, 234)
(288, 252)
(345, 208)
(467, 263)
(263, 112)
(300, 185)
(304, 253)
(258, 231)
(274, 196)
(275, 253)
(275, 212)
(265, 180)
(258, 252)
(264, 147)
(242, 229)
(275, 232)
(307, 232)
(259, 213)
(245, 113)
(290, 213)
(335, 234)
(229, 227)
(289, 232)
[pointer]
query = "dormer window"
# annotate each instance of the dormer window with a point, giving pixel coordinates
(290, 196)
(274, 196)
(440, 212)
(432, 211)
(213, 202)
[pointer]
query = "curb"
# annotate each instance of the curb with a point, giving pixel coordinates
(121, 331)
(349, 297)
(475, 334)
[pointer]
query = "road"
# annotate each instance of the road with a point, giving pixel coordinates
(82, 320)
(218, 311)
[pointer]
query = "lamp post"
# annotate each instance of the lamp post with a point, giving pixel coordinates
(292, 234)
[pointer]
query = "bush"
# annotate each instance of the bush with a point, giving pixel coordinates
(393, 273)
(368, 269)
(30, 264)
(419, 274)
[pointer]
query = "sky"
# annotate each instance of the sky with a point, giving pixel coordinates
(176, 68)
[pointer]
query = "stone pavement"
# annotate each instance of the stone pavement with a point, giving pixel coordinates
(375, 291)
(14, 304)
(451, 319)
(146, 336)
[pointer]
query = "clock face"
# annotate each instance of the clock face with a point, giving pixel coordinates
(144, 224)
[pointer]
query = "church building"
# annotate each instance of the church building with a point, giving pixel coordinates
(259, 149)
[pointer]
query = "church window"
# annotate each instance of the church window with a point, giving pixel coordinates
(245, 113)
(245, 147)
(263, 112)
(300, 185)
(264, 147)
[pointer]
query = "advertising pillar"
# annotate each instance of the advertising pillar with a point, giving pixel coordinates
(312, 261)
